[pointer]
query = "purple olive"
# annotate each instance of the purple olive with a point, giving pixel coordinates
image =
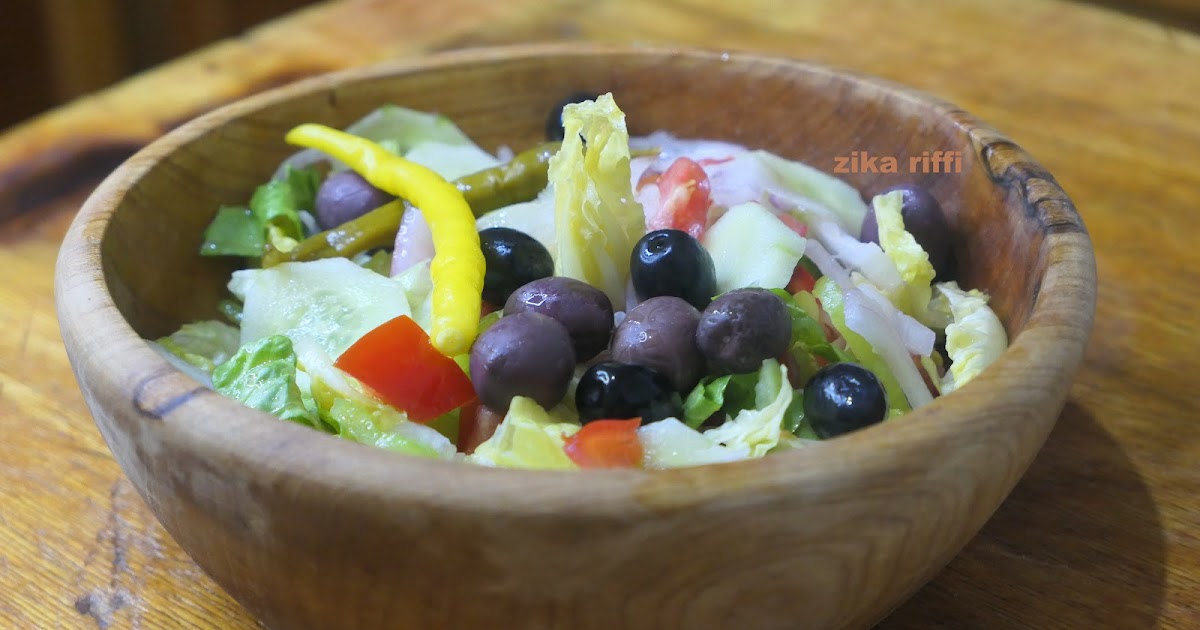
(660, 334)
(526, 354)
(585, 310)
(924, 219)
(345, 196)
(743, 328)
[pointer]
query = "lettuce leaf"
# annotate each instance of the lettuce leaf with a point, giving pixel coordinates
(671, 444)
(332, 301)
(204, 344)
(911, 260)
(262, 375)
(769, 263)
(235, 231)
(529, 437)
(758, 429)
(807, 331)
(705, 399)
(384, 427)
(304, 183)
(597, 222)
(974, 339)
(273, 216)
(274, 204)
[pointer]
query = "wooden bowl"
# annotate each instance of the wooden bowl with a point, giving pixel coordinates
(308, 531)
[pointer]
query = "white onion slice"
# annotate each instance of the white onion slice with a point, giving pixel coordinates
(414, 242)
(863, 317)
(865, 258)
(827, 265)
(917, 337)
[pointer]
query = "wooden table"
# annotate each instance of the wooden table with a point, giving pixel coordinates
(1104, 531)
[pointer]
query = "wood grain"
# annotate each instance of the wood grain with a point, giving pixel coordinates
(1100, 533)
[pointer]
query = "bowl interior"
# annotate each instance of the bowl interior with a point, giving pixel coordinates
(807, 113)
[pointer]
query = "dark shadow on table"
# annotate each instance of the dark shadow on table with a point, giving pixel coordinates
(1079, 533)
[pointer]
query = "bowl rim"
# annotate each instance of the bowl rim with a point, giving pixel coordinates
(108, 353)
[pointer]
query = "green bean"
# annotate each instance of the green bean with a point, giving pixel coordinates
(521, 179)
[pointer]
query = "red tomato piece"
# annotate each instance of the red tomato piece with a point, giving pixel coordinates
(684, 191)
(606, 444)
(793, 223)
(398, 362)
(801, 280)
(476, 423)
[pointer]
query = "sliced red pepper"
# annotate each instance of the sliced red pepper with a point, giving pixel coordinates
(398, 362)
(606, 444)
(684, 191)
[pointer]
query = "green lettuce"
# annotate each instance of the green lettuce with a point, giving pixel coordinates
(974, 339)
(729, 394)
(769, 263)
(235, 231)
(262, 375)
(597, 222)
(911, 260)
(384, 427)
(273, 216)
(332, 301)
(204, 344)
(864, 353)
(758, 430)
(807, 331)
(529, 437)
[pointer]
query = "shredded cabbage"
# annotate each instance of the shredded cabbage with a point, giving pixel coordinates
(262, 375)
(529, 437)
(910, 259)
(974, 339)
(758, 430)
(596, 220)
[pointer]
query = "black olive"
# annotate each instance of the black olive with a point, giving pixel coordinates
(743, 328)
(345, 196)
(671, 262)
(843, 397)
(526, 354)
(585, 310)
(513, 259)
(554, 125)
(612, 390)
(660, 333)
(924, 219)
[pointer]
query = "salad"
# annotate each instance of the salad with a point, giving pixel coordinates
(596, 301)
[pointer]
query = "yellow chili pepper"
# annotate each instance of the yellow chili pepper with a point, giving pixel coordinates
(458, 266)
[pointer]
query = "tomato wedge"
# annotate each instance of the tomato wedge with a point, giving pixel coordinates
(398, 362)
(684, 191)
(606, 444)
